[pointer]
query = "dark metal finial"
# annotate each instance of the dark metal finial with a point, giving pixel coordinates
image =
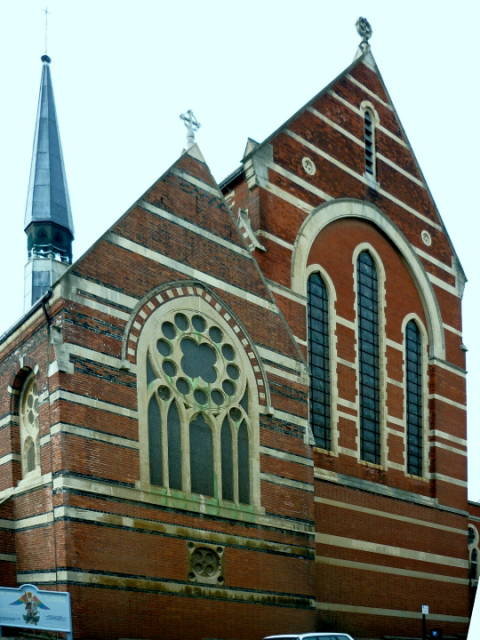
(46, 12)
(364, 31)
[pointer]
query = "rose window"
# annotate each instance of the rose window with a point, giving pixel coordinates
(197, 411)
(197, 361)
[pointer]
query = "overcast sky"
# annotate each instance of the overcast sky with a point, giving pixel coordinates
(123, 71)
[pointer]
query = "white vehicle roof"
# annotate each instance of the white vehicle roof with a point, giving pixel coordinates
(311, 635)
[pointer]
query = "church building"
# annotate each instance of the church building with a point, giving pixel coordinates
(242, 411)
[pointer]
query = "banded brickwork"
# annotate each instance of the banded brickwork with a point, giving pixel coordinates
(89, 522)
(176, 353)
(388, 540)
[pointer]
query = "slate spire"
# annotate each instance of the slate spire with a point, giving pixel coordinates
(48, 219)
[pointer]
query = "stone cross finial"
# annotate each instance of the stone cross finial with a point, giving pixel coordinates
(192, 125)
(364, 31)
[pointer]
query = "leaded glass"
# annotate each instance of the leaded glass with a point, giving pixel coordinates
(413, 370)
(201, 456)
(174, 448)
(319, 361)
(369, 358)
(155, 441)
(243, 464)
(227, 461)
(369, 143)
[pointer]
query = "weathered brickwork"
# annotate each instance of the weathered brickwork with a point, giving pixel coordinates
(326, 539)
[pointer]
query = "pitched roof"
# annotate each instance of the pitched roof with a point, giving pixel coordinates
(364, 56)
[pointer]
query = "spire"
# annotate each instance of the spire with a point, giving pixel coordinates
(48, 219)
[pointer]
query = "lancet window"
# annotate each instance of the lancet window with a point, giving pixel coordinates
(369, 142)
(319, 361)
(29, 427)
(368, 358)
(414, 395)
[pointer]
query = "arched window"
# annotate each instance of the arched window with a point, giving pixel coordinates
(368, 358)
(319, 361)
(473, 569)
(369, 142)
(29, 427)
(196, 385)
(414, 398)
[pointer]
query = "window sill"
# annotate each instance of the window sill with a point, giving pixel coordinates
(331, 453)
(372, 465)
(31, 479)
(412, 476)
(199, 503)
(371, 181)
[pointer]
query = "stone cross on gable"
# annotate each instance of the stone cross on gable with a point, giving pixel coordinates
(192, 125)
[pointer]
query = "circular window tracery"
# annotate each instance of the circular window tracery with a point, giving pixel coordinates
(198, 361)
(206, 563)
(195, 377)
(29, 406)
(309, 166)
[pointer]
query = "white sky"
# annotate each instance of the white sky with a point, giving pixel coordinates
(124, 70)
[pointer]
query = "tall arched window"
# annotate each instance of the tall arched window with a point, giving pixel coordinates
(195, 383)
(368, 358)
(319, 361)
(369, 142)
(414, 398)
(29, 427)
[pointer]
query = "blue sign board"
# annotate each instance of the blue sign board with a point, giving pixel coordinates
(30, 608)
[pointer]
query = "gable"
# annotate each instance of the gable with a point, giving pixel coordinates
(181, 230)
(319, 155)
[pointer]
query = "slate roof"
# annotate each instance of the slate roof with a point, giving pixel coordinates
(47, 199)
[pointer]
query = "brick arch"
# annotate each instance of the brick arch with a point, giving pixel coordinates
(191, 289)
(348, 208)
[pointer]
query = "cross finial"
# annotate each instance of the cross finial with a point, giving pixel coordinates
(192, 125)
(364, 31)
(46, 12)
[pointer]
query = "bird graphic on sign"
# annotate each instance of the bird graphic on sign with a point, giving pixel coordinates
(32, 605)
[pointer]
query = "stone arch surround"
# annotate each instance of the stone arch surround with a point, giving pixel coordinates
(163, 294)
(341, 209)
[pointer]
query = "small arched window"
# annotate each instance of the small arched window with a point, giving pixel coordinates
(369, 143)
(319, 360)
(368, 358)
(414, 398)
(195, 382)
(473, 569)
(29, 427)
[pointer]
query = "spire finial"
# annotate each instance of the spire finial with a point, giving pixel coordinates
(364, 31)
(192, 125)
(46, 12)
